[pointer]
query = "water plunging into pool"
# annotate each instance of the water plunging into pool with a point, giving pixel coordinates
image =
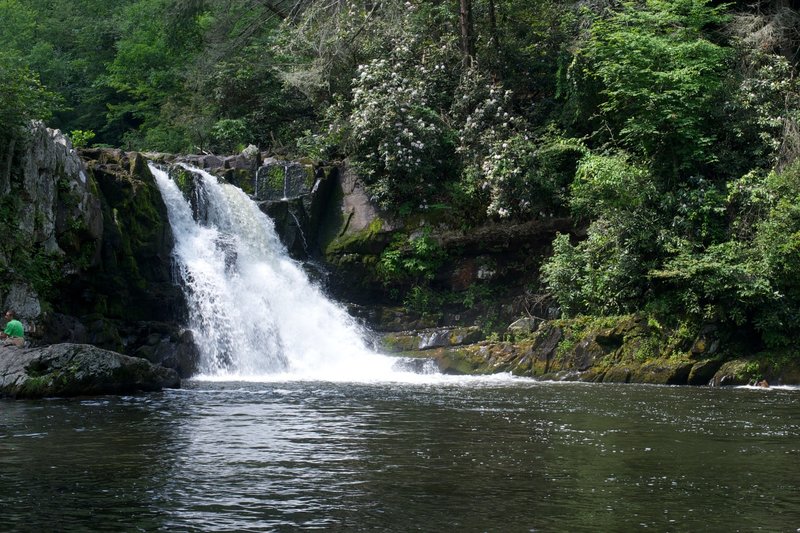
(253, 311)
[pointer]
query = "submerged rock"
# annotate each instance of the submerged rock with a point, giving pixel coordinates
(77, 370)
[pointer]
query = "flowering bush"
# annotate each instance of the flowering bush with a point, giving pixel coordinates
(400, 141)
(505, 167)
(770, 94)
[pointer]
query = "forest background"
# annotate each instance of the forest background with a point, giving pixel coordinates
(667, 129)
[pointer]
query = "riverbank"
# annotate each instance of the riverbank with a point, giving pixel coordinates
(468, 298)
(623, 349)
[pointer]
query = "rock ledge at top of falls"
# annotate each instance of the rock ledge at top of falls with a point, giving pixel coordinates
(64, 370)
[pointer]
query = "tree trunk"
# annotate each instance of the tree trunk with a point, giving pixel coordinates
(5, 170)
(467, 38)
(495, 39)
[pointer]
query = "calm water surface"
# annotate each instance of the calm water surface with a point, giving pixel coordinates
(461, 456)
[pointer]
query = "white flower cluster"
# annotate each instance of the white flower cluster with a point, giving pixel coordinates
(487, 116)
(395, 129)
(766, 93)
(494, 141)
(506, 176)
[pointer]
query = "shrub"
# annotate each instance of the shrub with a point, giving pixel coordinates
(81, 138)
(400, 142)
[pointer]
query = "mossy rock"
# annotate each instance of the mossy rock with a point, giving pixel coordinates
(465, 335)
(370, 241)
(476, 359)
(134, 267)
(399, 342)
(593, 375)
(461, 361)
(399, 319)
(738, 372)
(703, 371)
(617, 374)
(428, 339)
(76, 370)
(663, 372)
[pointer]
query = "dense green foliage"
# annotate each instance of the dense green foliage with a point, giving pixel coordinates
(667, 129)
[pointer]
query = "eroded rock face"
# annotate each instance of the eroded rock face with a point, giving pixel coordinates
(75, 370)
(53, 220)
(87, 253)
(57, 188)
(133, 279)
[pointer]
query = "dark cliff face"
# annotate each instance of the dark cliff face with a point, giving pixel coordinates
(89, 257)
(132, 278)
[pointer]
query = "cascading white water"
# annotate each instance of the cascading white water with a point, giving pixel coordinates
(253, 311)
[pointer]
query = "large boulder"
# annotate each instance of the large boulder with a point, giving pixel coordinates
(76, 370)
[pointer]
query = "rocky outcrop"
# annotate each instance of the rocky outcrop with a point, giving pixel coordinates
(132, 279)
(612, 350)
(772, 370)
(87, 253)
(294, 194)
(427, 339)
(77, 369)
(52, 224)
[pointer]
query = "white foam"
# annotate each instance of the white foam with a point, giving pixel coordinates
(254, 313)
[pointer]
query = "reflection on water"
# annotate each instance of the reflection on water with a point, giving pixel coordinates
(476, 456)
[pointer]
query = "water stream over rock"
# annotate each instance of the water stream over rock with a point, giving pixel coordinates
(253, 311)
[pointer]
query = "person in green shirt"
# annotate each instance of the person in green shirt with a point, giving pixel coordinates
(14, 332)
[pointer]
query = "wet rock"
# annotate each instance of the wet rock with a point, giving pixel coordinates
(663, 372)
(62, 328)
(703, 372)
(617, 375)
(133, 280)
(282, 180)
(163, 344)
(524, 326)
(428, 339)
(735, 372)
(77, 370)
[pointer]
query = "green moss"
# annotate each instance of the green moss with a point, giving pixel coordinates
(577, 329)
(35, 387)
(42, 270)
(276, 178)
(463, 360)
(398, 342)
(355, 242)
(640, 348)
(139, 168)
(310, 176)
(243, 178)
(182, 177)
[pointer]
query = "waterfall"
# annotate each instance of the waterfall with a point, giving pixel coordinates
(252, 309)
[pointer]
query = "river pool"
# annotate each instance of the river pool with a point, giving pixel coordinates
(450, 455)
